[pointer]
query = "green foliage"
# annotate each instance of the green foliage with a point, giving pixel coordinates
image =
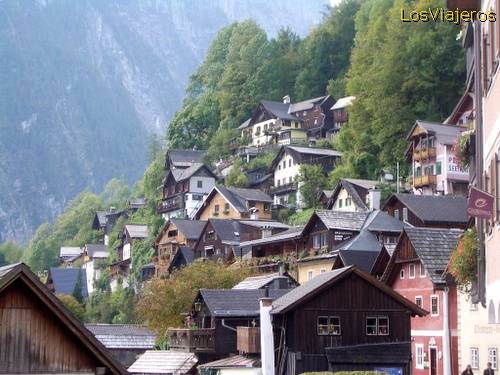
(463, 262)
(116, 194)
(72, 228)
(262, 161)
(237, 176)
(107, 307)
(300, 217)
(10, 252)
(78, 290)
(312, 181)
(400, 72)
(162, 301)
(219, 144)
(152, 181)
(72, 305)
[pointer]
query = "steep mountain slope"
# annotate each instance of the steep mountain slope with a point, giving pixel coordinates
(83, 82)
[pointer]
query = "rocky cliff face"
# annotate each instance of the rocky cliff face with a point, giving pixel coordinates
(83, 82)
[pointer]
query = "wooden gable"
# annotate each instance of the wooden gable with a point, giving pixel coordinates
(38, 335)
(261, 114)
(403, 253)
(208, 209)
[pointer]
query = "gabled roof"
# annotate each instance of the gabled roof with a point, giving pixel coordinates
(363, 259)
(445, 134)
(137, 202)
(245, 124)
(343, 102)
(228, 230)
(69, 251)
(235, 361)
(181, 174)
(434, 247)
(97, 250)
(191, 229)
(259, 282)
(163, 362)
(340, 219)
(137, 230)
(64, 280)
(100, 219)
(71, 325)
(123, 336)
(381, 221)
(357, 189)
(279, 110)
(184, 158)
(306, 104)
(182, 257)
(363, 241)
(288, 235)
(298, 151)
(236, 302)
(326, 280)
(434, 208)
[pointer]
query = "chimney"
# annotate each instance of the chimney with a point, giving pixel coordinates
(373, 199)
(266, 335)
(286, 99)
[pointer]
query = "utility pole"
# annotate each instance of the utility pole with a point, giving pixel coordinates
(397, 177)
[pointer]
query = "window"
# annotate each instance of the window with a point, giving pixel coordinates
(322, 270)
(422, 270)
(377, 326)
(197, 197)
(419, 356)
(284, 180)
(284, 164)
(309, 275)
(411, 270)
(434, 305)
(418, 301)
(340, 203)
(319, 240)
(348, 201)
(226, 207)
(402, 273)
(216, 209)
(371, 326)
(474, 358)
(289, 162)
(383, 326)
(438, 168)
(396, 214)
(279, 167)
(290, 179)
(172, 233)
(405, 214)
(322, 325)
(329, 325)
(199, 184)
(492, 357)
(278, 182)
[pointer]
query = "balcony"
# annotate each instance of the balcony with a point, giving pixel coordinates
(170, 204)
(420, 181)
(282, 189)
(192, 339)
(248, 339)
(424, 153)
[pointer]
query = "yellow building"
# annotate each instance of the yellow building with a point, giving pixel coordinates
(310, 267)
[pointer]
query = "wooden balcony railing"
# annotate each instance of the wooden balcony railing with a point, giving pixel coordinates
(170, 204)
(248, 339)
(283, 188)
(424, 181)
(424, 153)
(192, 339)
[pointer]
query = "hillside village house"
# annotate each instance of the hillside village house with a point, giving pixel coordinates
(235, 203)
(175, 235)
(342, 320)
(65, 281)
(355, 195)
(417, 270)
(121, 269)
(106, 220)
(435, 166)
(94, 256)
(340, 112)
(436, 211)
(69, 254)
(286, 170)
(40, 335)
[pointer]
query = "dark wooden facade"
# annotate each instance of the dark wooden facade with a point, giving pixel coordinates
(318, 119)
(334, 237)
(352, 299)
(38, 335)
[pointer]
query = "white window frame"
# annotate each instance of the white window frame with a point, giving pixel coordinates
(366, 326)
(419, 356)
(310, 275)
(422, 272)
(405, 214)
(421, 301)
(430, 306)
(493, 357)
(474, 357)
(411, 267)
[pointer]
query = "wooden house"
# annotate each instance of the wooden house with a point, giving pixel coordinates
(176, 233)
(342, 320)
(340, 112)
(286, 170)
(184, 190)
(235, 203)
(281, 244)
(106, 220)
(94, 256)
(417, 269)
(435, 211)
(212, 323)
(39, 335)
(315, 114)
(435, 167)
(182, 159)
(354, 195)
(276, 280)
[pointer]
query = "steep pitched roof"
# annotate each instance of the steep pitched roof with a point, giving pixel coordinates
(227, 230)
(259, 282)
(245, 124)
(326, 280)
(69, 251)
(363, 259)
(445, 134)
(381, 221)
(184, 158)
(65, 279)
(97, 250)
(191, 229)
(182, 257)
(279, 109)
(434, 208)
(306, 104)
(163, 362)
(343, 102)
(341, 219)
(123, 336)
(137, 230)
(434, 247)
(181, 174)
(363, 241)
(236, 302)
(289, 234)
(356, 188)
(71, 325)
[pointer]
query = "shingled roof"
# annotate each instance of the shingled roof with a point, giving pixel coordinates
(182, 257)
(228, 230)
(63, 280)
(191, 229)
(137, 230)
(163, 362)
(236, 302)
(434, 208)
(287, 235)
(184, 158)
(434, 247)
(306, 104)
(356, 188)
(259, 282)
(97, 250)
(123, 336)
(279, 110)
(381, 221)
(445, 134)
(341, 219)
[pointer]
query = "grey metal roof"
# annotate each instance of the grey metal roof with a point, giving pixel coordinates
(363, 259)
(343, 102)
(237, 302)
(123, 336)
(235, 361)
(342, 219)
(314, 151)
(64, 280)
(305, 104)
(69, 251)
(102, 218)
(294, 232)
(279, 109)
(182, 257)
(181, 174)
(163, 362)
(97, 250)
(228, 230)
(445, 134)
(258, 282)
(381, 221)
(245, 124)
(191, 229)
(295, 295)
(317, 257)
(184, 158)
(363, 241)
(239, 197)
(436, 208)
(434, 247)
(265, 224)
(137, 230)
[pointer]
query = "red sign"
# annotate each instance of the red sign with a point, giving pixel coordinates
(480, 203)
